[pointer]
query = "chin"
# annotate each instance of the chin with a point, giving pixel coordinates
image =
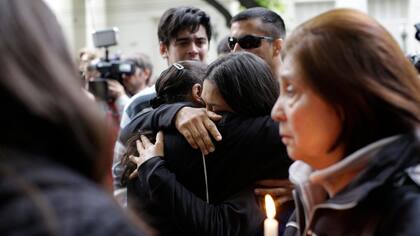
(290, 154)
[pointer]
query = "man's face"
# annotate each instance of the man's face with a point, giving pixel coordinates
(252, 27)
(136, 82)
(186, 46)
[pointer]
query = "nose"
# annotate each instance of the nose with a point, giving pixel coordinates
(193, 49)
(277, 113)
(237, 48)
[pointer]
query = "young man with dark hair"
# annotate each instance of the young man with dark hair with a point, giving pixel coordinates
(184, 34)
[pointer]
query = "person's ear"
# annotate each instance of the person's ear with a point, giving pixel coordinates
(146, 72)
(277, 44)
(163, 50)
(196, 92)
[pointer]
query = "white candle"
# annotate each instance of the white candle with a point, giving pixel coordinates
(271, 226)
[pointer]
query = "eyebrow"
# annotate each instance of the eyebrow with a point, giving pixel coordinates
(190, 38)
(182, 39)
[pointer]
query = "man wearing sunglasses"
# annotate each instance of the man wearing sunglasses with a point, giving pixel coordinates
(257, 30)
(260, 31)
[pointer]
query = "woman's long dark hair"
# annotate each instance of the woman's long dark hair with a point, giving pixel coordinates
(44, 110)
(245, 82)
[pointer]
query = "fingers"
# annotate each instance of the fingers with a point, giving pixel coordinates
(195, 125)
(272, 191)
(212, 128)
(185, 131)
(115, 88)
(199, 134)
(214, 116)
(140, 147)
(204, 142)
(134, 159)
(159, 138)
(133, 175)
(145, 141)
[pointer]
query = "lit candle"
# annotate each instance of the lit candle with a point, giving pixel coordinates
(271, 226)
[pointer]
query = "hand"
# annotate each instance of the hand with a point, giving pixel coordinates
(279, 189)
(195, 124)
(148, 150)
(115, 89)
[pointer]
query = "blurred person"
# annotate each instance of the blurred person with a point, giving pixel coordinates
(184, 33)
(130, 85)
(143, 73)
(223, 46)
(350, 116)
(86, 56)
(55, 144)
(181, 192)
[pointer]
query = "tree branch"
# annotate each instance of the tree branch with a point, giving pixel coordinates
(249, 3)
(219, 7)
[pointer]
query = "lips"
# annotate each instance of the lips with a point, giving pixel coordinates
(285, 138)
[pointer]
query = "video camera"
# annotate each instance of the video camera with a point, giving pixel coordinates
(108, 68)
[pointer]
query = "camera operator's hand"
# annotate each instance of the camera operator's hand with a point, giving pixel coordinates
(196, 125)
(115, 89)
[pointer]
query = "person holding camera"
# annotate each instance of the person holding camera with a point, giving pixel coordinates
(132, 82)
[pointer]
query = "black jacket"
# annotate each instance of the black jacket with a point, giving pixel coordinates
(39, 197)
(251, 150)
(383, 200)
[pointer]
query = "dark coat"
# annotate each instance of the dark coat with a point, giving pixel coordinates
(251, 150)
(383, 200)
(39, 197)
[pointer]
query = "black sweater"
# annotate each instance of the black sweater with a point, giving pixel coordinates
(172, 189)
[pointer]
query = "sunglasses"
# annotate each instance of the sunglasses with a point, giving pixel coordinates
(247, 41)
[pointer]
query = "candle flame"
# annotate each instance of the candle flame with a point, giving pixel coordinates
(269, 206)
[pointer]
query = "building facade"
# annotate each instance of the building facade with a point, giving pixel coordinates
(137, 20)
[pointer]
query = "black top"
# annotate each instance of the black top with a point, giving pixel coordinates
(39, 197)
(251, 150)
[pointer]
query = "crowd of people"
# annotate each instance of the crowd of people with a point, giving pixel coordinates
(326, 120)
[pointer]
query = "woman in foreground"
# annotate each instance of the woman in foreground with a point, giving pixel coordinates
(55, 147)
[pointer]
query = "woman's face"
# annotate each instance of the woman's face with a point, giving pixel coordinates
(308, 126)
(213, 99)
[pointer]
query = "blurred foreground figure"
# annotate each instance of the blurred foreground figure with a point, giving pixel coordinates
(55, 148)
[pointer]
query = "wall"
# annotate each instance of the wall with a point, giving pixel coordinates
(137, 20)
